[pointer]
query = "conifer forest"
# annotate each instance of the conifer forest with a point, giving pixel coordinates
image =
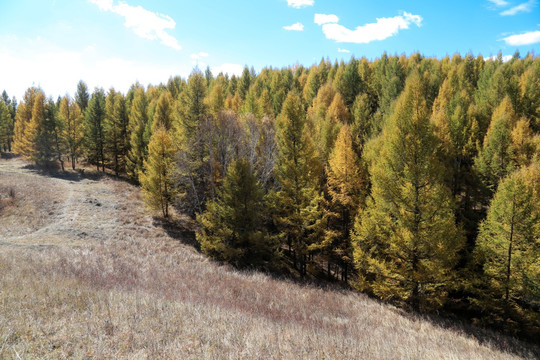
(411, 179)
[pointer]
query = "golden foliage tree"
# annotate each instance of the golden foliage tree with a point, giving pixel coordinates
(297, 201)
(508, 246)
(159, 175)
(73, 131)
(345, 190)
(406, 240)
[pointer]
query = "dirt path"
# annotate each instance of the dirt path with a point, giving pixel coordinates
(64, 209)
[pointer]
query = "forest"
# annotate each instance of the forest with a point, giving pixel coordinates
(413, 179)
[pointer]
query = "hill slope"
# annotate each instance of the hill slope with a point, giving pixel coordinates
(85, 272)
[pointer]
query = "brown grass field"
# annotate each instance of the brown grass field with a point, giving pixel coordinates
(87, 273)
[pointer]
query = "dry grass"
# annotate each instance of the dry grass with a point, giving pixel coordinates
(127, 289)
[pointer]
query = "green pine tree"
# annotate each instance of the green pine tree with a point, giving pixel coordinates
(115, 131)
(138, 120)
(94, 135)
(6, 128)
(82, 96)
(232, 225)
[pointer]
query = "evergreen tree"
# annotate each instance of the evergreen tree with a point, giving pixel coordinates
(41, 132)
(265, 104)
(495, 160)
(232, 226)
(115, 130)
(6, 128)
(216, 100)
(195, 174)
(313, 83)
(508, 246)
(163, 116)
(94, 135)
(345, 190)
(23, 138)
(159, 175)
(82, 96)
(57, 127)
(298, 214)
(73, 134)
(138, 120)
(244, 83)
(348, 82)
(406, 238)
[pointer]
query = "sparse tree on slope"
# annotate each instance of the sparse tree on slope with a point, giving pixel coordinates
(115, 130)
(73, 133)
(23, 138)
(158, 178)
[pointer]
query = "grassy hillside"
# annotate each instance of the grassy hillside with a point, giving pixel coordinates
(86, 273)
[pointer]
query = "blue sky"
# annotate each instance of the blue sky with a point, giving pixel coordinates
(54, 43)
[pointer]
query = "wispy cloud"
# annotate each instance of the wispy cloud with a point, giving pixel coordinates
(528, 38)
(294, 27)
(321, 19)
(300, 3)
(521, 8)
(500, 3)
(144, 23)
(199, 55)
(380, 30)
(343, 50)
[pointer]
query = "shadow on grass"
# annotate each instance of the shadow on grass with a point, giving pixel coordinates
(76, 175)
(496, 338)
(8, 155)
(178, 229)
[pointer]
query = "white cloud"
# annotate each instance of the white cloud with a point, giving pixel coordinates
(199, 55)
(525, 7)
(144, 23)
(343, 50)
(300, 3)
(528, 38)
(380, 30)
(57, 70)
(231, 69)
(499, 2)
(294, 27)
(325, 19)
(505, 58)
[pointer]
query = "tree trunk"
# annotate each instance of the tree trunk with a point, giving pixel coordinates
(509, 265)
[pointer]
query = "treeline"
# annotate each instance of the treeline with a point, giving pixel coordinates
(413, 178)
